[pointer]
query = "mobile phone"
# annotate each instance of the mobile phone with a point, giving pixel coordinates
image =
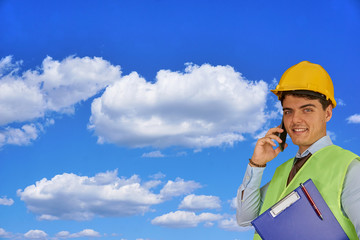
(282, 136)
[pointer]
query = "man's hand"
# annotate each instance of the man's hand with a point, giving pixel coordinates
(264, 149)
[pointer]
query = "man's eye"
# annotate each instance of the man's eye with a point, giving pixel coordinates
(308, 110)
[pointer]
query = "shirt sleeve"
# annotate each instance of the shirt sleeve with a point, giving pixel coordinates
(250, 196)
(350, 196)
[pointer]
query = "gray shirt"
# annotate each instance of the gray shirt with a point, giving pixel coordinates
(250, 196)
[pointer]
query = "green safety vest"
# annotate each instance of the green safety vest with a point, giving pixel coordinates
(327, 169)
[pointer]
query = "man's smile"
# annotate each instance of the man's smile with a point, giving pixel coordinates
(299, 130)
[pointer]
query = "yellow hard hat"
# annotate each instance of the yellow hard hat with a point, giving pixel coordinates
(306, 76)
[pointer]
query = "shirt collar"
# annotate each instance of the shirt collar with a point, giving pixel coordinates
(319, 144)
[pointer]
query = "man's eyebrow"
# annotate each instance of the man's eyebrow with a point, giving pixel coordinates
(303, 106)
(308, 105)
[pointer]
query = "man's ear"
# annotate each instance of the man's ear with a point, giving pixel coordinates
(328, 113)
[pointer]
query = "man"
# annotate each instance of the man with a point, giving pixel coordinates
(307, 96)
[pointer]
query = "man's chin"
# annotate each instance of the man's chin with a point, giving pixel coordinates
(300, 142)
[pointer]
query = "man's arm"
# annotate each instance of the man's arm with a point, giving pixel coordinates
(350, 197)
(250, 197)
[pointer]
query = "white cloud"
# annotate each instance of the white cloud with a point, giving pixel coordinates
(4, 234)
(7, 67)
(179, 187)
(230, 224)
(83, 233)
(184, 219)
(154, 154)
(72, 80)
(41, 235)
(233, 203)
(331, 134)
(158, 175)
(181, 154)
(260, 134)
(63, 234)
(36, 234)
(204, 106)
(278, 110)
(200, 202)
(151, 184)
(105, 195)
(56, 86)
(20, 101)
(19, 136)
(354, 118)
(340, 102)
(6, 201)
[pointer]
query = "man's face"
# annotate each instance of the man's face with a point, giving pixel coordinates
(305, 120)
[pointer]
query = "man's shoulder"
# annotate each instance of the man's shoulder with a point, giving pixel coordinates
(335, 150)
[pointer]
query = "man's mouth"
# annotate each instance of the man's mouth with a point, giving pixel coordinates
(299, 130)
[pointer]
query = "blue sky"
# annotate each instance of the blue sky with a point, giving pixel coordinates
(135, 119)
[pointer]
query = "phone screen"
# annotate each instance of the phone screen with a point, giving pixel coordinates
(282, 136)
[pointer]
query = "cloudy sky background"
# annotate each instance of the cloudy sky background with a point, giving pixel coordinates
(135, 119)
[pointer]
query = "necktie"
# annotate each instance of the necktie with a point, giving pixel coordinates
(298, 164)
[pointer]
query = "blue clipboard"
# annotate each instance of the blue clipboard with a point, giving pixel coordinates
(294, 218)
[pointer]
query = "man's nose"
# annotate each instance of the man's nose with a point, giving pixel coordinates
(297, 117)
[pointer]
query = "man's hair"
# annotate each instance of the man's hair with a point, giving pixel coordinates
(308, 95)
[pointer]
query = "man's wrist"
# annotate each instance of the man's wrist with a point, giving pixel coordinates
(253, 164)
